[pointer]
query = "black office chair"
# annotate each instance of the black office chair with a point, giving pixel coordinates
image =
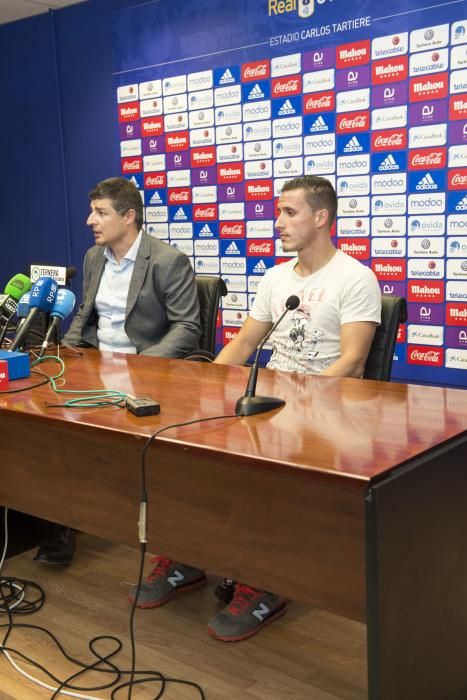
(210, 291)
(379, 360)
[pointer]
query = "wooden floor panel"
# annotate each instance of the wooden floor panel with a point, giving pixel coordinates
(306, 655)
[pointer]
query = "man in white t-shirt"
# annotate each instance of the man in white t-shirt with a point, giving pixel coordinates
(340, 301)
(329, 333)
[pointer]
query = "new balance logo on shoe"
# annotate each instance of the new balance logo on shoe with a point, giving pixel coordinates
(261, 612)
(175, 578)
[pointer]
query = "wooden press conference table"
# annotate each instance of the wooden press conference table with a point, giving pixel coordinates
(351, 497)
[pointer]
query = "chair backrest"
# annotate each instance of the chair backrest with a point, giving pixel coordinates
(210, 291)
(379, 360)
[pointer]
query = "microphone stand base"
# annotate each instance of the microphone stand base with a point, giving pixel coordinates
(251, 405)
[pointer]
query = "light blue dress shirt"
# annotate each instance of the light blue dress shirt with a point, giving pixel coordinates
(111, 300)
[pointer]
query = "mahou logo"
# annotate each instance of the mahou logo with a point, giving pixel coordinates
(128, 112)
(178, 141)
(421, 291)
(423, 355)
(179, 195)
(457, 179)
(132, 165)
(203, 157)
(427, 158)
(356, 247)
(260, 247)
(354, 54)
(391, 140)
(258, 189)
(431, 87)
(390, 70)
(229, 334)
(232, 229)
(353, 121)
(154, 181)
(456, 314)
(385, 269)
(230, 173)
(152, 126)
(204, 212)
(291, 85)
(257, 70)
(458, 107)
(319, 102)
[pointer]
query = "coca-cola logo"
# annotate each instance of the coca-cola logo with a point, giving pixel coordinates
(353, 122)
(155, 181)
(389, 140)
(233, 229)
(260, 248)
(286, 86)
(424, 158)
(132, 165)
(424, 356)
(182, 196)
(320, 102)
(253, 71)
(205, 213)
(458, 179)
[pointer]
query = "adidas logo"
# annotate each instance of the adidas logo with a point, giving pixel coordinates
(389, 163)
(206, 232)
(353, 146)
(462, 205)
(232, 249)
(227, 78)
(260, 267)
(155, 199)
(256, 93)
(180, 215)
(319, 125)
(426, 183)
(287, 108)
(134, 181)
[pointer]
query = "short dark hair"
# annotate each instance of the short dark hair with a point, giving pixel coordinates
(123, 195)
(319, 193)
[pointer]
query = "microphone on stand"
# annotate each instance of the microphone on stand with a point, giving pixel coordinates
(64, 304)
(250, 404)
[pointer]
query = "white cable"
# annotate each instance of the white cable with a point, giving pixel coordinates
(18, 601)
(6, 653)
(6, 540)
(45, 685)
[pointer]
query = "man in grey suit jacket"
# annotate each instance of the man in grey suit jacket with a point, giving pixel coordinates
(161, 314)
(139, 296)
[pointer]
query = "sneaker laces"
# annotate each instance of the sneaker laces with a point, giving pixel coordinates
(243, 598)
(161, 568)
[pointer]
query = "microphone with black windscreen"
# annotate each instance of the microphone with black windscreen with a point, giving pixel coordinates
(250, 404)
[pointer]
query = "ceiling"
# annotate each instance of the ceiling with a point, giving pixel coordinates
(12, 10)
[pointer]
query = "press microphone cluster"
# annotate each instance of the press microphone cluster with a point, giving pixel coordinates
(42, 298)
(250, 404)
(16, 287)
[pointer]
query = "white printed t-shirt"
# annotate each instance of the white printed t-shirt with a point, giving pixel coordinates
(308, 338)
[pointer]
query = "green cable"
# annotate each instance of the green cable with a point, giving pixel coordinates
(101, 397)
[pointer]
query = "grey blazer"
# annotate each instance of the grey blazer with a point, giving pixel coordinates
(162, 310)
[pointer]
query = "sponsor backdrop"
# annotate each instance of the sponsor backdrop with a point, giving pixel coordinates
(219, 104)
